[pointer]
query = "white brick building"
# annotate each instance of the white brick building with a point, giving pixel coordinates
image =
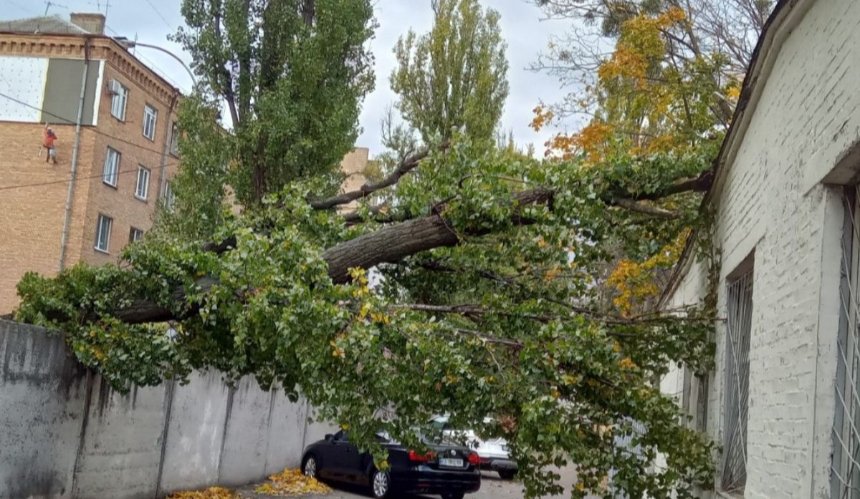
(785, 226)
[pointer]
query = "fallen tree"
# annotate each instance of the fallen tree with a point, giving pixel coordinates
(488, 303)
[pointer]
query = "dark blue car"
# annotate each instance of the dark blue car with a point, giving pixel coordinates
(448, 470)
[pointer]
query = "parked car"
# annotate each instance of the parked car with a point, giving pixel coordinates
(448, 470)
(493, 453)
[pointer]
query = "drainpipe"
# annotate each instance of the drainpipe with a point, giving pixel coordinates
(70, 196)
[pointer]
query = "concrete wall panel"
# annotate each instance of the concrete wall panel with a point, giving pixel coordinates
(286, 433)
(65, 433)
(245, 442)
(122, 442)
(42, 394)
(197, 420)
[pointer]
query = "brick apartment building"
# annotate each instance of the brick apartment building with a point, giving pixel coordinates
(110, 175)
(114, 119)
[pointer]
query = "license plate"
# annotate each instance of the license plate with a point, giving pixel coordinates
(450, 462)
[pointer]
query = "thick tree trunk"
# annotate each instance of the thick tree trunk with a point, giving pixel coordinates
(388, 244)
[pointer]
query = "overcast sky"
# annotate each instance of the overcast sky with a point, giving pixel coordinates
(150, 21)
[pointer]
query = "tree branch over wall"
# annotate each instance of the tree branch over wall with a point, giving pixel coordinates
(392, 243)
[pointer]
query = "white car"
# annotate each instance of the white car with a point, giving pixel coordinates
(493, 453)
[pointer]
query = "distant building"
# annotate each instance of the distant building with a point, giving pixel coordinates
(353, 166)
(116, 149)
(110, 174)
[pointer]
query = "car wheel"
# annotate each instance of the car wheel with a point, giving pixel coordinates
(380, 483)
(310, 467)
(453, 495)
(507, 474)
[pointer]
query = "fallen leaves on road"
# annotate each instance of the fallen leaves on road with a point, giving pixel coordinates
(290, 483)
(210, 493)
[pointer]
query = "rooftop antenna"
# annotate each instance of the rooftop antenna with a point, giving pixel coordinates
(107, 6)
(49, 4)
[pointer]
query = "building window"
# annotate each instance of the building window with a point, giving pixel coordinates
(168, 197)
(174, 139)
(142, 190)
(150, 116)
(844, 470)
(119, 99)
(737, 374)
(103, 228)
(111, 170)
(135, 235)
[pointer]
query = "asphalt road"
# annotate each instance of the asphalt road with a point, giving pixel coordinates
(492, 487)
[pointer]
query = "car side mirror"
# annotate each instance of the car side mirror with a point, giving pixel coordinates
(329, 436)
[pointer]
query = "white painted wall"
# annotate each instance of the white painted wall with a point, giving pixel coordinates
(773, 202)
(22, 78)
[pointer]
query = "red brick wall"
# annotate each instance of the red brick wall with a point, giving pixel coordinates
(32, 216)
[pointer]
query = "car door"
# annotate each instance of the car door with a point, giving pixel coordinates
(345, 460)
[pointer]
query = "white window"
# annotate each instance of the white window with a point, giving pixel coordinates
(135, 235)
(111, 170)
(142, 189)
(118, 100)
(103, 233)
(168, 196)
(150, 116)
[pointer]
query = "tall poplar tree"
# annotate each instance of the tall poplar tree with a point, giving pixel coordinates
(454, 77)
(292, 75)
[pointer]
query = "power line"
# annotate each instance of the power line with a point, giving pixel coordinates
(53, 182)
(19, 6)
(166, 22)
(149, 62)
(93, 129)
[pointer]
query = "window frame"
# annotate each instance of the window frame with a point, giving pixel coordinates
(114, 173)
(100, 222)
(168, 197)
(150, 111)
(135, 234)
(740, 306)
(145, 196)
(174, 139)
(119, 94)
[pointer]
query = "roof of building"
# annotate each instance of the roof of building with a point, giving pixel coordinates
(42, 24)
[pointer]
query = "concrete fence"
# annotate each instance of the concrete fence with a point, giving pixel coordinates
(65, 433)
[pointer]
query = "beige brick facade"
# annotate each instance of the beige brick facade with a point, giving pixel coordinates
(353, 166)
(33, 194)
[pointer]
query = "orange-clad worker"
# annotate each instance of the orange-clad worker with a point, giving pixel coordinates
(49, 137)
